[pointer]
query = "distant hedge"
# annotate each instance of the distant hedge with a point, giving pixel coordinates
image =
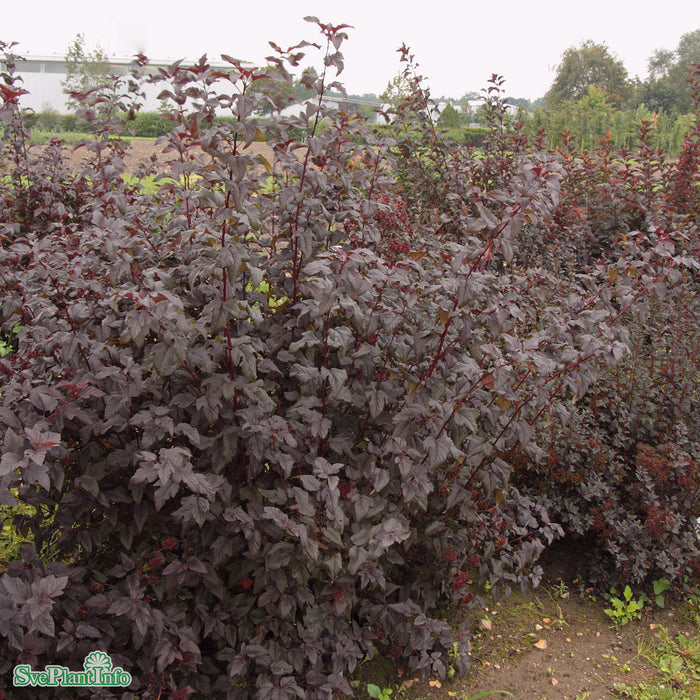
(150, 124)
(143, 124)
(463, 135)
(466, 135)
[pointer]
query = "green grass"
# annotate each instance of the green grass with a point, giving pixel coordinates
(39, 136)
(149, 184)
(677, 664)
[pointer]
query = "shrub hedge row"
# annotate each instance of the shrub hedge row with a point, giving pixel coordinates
(269, 417)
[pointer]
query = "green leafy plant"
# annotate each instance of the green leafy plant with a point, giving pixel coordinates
(625, 609)
(374, 691)
(651, 691)
(677, 661)
(560, 589)
(678, 658)
(453, 661)
(661, 585)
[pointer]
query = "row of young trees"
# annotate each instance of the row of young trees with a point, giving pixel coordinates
(268, 417)
(593, 117)
(592, 95)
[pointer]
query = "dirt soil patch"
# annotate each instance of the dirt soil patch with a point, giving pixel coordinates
(142, 151)
(146, 152)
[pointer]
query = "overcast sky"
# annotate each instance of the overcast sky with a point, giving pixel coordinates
(457, 43)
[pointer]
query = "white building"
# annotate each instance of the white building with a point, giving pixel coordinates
(43, 78)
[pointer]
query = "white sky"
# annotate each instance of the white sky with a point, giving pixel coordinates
(458, 43)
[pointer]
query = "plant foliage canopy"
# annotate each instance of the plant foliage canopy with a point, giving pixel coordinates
(267, 413)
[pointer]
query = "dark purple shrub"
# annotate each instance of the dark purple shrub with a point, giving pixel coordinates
(265, 416)
(619, 244)
(622, 468)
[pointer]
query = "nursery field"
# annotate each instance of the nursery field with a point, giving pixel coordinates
(144, 153)
(299, 408)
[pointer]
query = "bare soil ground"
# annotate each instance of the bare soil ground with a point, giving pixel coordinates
(147, 151)
(143, 150)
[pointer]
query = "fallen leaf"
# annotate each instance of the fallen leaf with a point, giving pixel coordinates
(435, 684)
(485, 624)
(541, 644)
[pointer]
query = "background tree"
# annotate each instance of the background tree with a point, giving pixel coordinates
(668, 85)
(467, 113)
(397, 89)
(450, 117)
(590, 64)
(85, 70)
(588, 119)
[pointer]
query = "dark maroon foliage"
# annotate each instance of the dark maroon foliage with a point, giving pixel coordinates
(622, 468)
(271, 415)
(618, 462)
